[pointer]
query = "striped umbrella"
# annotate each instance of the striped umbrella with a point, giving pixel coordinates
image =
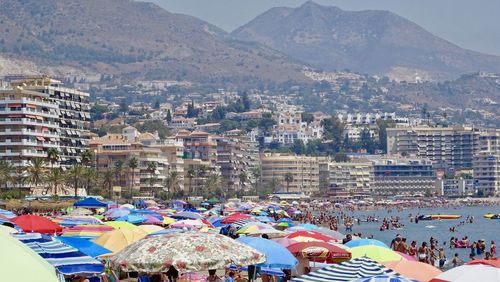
(66, 221)
(347, 271)
(7, 214)
(68, 260)
(309, 236)
(384, 278)
(319, 252)
(86, 231)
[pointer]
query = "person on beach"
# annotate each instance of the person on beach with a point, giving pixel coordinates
(412, 251)
(212, 276)
(402, 247)
(442, 257)
(456, 260)
(493, 248)
(422, 253)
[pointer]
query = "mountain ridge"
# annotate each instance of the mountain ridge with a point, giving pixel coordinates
(368, 41)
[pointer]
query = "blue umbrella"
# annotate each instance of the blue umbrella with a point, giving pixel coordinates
(365, 242)
(277, 256)
(147, 212)
(116, 213)
(308, 226)
(7, 214)
(134, 219)
(265, 219)
(289, 220)
(166, 231)
(187, 215)
(384, 278)
(85, 246)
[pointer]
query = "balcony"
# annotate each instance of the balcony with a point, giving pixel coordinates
(28, 121)
(25, 131)
(26, 100)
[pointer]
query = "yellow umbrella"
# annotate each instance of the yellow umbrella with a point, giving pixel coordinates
(20, 263)
(120, 224)
(149, 228)
(7, 229)
(168, 220)
(376, 253)
(118, 239)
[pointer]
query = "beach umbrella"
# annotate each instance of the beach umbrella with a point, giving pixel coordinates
(117, 212)
(7, 214)
(235, 217)
(149, 219)
(8, 230)
(285, 220)
(86, 231)
(20, 263)
(167, 231)
(187, 252)
(285, 224)
(308, 226)
(134, 219)
(265, 219)
(467, 273)
(150, 228)
(331, 233)
(277, 256)
(85, 246)
(285, 242)
(118, 239)
(168, 220)
(490, 262)
(319, 252)
(347, 271)
(189, 223)
(257, 228)
(187, 215)
(407, 256)
(413, 269)
(127, 206)
(383, 278)
(81, 211)
(376, 253)
(120, 224)
(76, 220)
(35, 223)
(309, 236)
(365, 242)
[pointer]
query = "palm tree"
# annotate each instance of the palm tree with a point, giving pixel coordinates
(107, 181)
(74, 176)
(151, 169)
(212, 184)
(288, 179)
(242, 178)
(133, 163)
(90, 175)
(119, 172)
(256, 176)
(55, 177)
(190, 174)
(36, 171)
(172, 182)
(7, 171)
(52, 156)
(200, 173)
(87, 157)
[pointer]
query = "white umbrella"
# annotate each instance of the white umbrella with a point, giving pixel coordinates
(466, 273)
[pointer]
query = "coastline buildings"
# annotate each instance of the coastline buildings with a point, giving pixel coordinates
(403, 176)
(290, 127)
(39, 113)
(354, 177)
(486, 164)
(304, 172)
(451, 147)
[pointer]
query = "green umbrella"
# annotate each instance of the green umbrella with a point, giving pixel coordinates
(19, 263)
(213, 200)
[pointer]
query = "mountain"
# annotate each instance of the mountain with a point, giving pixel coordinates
(132, 39)
(373, 42)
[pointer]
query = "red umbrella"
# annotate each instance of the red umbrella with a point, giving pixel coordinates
(493, 262)
(234, 217)
(309, 236)
(319, 252)
(35, 223)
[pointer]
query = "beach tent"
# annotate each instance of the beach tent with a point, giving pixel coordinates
(347, 271)
(20, 263)
(90, 202)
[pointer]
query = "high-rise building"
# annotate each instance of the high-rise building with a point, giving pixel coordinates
(452, 147)
(486, 169)
(352, 177)
(403, 176)
(304, 172)
(39, 113)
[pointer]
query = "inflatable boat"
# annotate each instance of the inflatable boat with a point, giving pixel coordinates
(445, 216)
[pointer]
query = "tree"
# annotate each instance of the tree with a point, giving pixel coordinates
(288, 179)
(242, 177)
(74, 177)
(55, 177)
(190, 174)
(334, 131)
(298, 146)
(200, 174)
(151, 169)
(191, 111)
(90, 176)
(341, 157)
(52, 156)
(172, 182)
(133, 163)
(169, 117)
(245, 101)
(107, 181)
(213, 186)
(7, 171)
(119, 172)
(36, 171)
(87, 157)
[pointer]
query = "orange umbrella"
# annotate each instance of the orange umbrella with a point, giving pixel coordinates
(413, 269)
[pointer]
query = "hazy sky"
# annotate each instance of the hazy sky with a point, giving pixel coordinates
(472, 24)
